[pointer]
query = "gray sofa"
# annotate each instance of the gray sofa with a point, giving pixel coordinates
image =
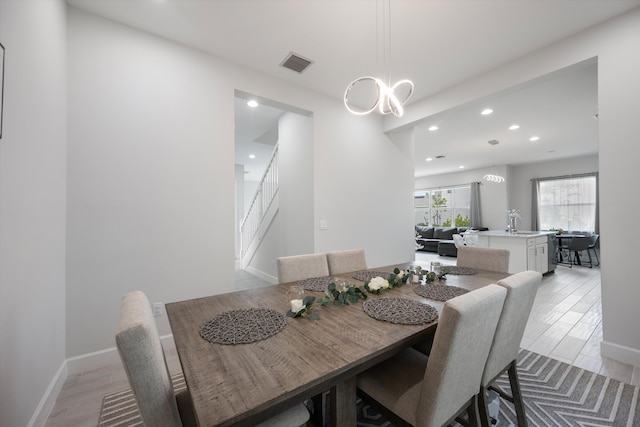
(440, 239)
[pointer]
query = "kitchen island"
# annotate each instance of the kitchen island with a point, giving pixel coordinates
(529, 250)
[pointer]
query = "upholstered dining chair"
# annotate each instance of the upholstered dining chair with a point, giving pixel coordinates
(144, 362)
(299, 267)
(521, 292)
(413, 389)
(346, 261)
(483, 258)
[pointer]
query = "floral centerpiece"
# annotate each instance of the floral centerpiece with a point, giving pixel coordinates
(304, 308)
(379, 284)
(336, 293)
(340, 294)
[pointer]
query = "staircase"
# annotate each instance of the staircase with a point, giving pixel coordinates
(262, 210)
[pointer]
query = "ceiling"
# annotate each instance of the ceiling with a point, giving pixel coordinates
(435, 43)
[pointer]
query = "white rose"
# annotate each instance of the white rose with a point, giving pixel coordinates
(378, 283)
(296, 305)
(401, 274)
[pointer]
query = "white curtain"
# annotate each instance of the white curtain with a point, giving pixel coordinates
(566, 202)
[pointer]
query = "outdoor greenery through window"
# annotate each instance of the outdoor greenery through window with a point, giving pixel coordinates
(443, 207)
(568, 203)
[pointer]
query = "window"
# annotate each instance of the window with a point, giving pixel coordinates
(568, 203)
(447, 207)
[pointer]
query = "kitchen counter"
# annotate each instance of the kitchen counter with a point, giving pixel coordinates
(528, 250)
(519, 233)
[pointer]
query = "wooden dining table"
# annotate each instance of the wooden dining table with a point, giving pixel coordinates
(243, 384)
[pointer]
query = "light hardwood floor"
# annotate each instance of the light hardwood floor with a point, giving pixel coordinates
(565, 324)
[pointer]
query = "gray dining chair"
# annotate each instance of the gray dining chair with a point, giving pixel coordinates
(144, 362)
(521, 292)
(593, 246)
(346, 261)
(300, 267)
(575, 247)
(411, 388)
(491, 259)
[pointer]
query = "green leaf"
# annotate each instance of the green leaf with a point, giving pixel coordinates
(308, 300)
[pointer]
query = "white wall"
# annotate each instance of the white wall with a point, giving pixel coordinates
(291, 231)
(32, 209)
(516, 189)
(295, 177)
(363, 188)
(520, 184)
(619, 109)
(151, 175)
(614, 43)
(493, 196)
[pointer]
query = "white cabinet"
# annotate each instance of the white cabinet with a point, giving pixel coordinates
(529, 250)
(537, 254)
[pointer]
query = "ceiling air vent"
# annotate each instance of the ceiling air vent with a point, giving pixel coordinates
(296, 63)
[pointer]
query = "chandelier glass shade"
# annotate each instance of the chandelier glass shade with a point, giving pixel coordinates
(388, 100)
(494, 177)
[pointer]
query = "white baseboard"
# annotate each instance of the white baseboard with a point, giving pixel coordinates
(261, 274)
(75, 365)
(91, 361)
(108, 357)
(628, 355)
(39, 417)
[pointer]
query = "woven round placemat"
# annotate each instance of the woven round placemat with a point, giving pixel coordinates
(400, 310)
(453, 269)
(243, 326)
(368, 275)
(316, 284)
(439, 292)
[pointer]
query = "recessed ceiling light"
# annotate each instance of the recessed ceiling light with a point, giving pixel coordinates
(428, 159)
(252, 156)
(252, 103)
(460, 167)
(514, 127)
(534, 138)
(486, 111)
(432, 128)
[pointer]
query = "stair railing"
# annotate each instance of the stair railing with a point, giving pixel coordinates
(265, 193)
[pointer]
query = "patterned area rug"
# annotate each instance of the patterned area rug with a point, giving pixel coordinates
(559, 394)
(555, 394)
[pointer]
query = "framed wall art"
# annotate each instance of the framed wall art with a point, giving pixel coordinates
(1, 85)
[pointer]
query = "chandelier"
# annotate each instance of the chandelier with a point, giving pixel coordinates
(494, 177)
(366, 94)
